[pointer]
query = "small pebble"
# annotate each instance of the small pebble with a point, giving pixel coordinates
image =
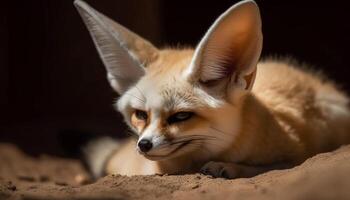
(26, 178)
(61, 183)
(198, 177)
(33, 187)
(11, 187)
(44, 178)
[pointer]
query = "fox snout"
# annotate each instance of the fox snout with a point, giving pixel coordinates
(144, 145)
(161, 147)
(153, 144)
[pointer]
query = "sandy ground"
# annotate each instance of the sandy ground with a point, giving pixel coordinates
(325, 176)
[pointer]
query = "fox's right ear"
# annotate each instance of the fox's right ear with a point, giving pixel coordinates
(229, 51)
(123, 52)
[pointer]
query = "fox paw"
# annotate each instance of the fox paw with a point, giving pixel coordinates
(221, 170)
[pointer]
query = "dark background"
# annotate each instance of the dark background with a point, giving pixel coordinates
(52, 80)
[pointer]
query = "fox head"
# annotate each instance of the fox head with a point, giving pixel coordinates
(181, 101)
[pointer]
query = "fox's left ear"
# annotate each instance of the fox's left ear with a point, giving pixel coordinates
(123, 52)
(230, 49)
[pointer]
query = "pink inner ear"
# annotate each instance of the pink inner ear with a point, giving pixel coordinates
(250, 80)
(232, 45)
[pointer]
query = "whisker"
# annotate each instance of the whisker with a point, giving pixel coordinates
(182, 140)
(189, 139)
(177, 142)
(195, 136)
(219, 131)
(140, 92)
(192, 145)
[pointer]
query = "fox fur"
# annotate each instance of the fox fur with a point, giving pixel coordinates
(238, 117)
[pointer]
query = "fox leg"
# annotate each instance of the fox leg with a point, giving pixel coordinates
(233, 170)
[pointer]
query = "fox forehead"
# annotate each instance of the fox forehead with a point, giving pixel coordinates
(169, 64)
(164, 88)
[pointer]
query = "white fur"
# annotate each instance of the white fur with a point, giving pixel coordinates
(97, 153)
(123, 69)
(288, 115)
(127, 76)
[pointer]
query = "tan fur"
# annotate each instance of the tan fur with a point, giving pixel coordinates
(287, 117)
(140, 125)
(246, 117)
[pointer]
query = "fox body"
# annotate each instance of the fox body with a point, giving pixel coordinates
(215, 108)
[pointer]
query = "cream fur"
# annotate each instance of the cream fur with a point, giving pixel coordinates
(285, 116)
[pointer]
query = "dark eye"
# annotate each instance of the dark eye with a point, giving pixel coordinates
(179, 117)
(140, 114)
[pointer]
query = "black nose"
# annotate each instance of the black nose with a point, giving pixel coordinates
(145, 145)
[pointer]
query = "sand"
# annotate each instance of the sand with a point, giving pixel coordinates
(324, 176)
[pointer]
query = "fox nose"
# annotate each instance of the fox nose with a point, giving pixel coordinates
(145, 145)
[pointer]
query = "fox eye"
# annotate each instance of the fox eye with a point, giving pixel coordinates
(141, 115)
(179, 117)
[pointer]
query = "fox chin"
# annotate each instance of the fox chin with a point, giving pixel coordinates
(214, 109)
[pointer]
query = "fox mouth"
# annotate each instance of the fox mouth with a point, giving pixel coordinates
(176, 149)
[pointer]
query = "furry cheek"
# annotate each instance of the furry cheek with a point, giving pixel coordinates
(173, 130)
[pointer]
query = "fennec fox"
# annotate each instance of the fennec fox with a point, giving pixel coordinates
(213, 109)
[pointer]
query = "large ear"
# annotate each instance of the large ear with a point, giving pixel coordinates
(230, 49)
(123, 52)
